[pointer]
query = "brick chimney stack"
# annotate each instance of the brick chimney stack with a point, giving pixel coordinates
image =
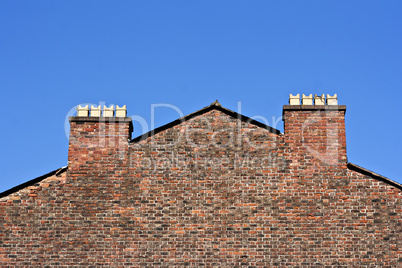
(98, 140)
(315, 131)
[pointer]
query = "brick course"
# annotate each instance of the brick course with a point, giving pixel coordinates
(213, 190)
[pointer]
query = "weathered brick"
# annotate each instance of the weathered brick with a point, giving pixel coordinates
(214, 190)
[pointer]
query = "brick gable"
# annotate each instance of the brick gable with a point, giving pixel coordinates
(212, 190)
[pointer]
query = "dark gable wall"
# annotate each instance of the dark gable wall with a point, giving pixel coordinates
(212, 191)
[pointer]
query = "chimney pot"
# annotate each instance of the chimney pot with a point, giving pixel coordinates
(121, 111)
(319, 100)
(294, 100)
(96, 111)
(82, 111)
(307, 100)
(332, 100)
(108, 111)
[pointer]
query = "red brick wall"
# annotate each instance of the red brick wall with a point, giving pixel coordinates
(212, 191)
(314, 136)
(98, 146)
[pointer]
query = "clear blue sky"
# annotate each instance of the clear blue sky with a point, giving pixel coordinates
(57, 54)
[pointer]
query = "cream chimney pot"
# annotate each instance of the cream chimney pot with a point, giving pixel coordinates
(294, 100)
(82, 111)
(332, 100)
(121, 111)
(96, 111)
(319, 100)
(307, 100)
(108, 111)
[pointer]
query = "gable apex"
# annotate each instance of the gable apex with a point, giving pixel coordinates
(213, 106)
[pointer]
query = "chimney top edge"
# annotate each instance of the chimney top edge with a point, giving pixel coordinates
(100, 119)
(313, 107)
